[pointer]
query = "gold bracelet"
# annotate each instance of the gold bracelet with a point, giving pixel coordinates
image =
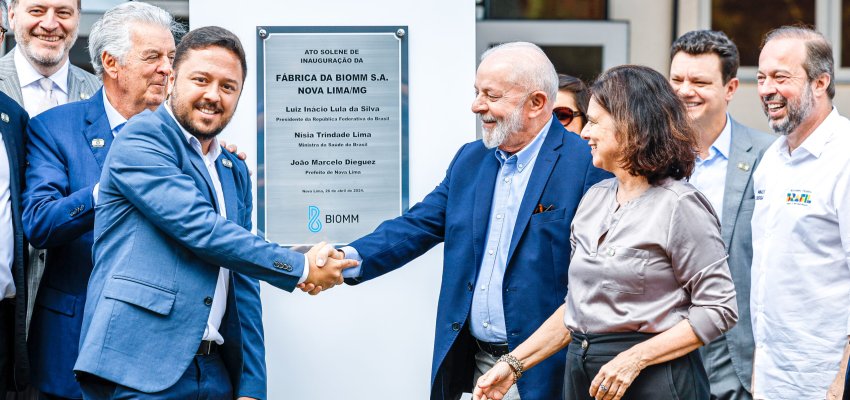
(514, 363)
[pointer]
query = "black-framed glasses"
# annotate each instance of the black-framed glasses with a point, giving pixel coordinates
(566, 114)
(3, 30)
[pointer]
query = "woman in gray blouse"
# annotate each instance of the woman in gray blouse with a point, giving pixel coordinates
(648, 280)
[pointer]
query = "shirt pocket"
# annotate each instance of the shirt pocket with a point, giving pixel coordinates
(624, 269)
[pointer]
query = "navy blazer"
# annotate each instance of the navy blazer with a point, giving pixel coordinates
(66, 150)
(159, 241)
(13, 122)
(457, 212)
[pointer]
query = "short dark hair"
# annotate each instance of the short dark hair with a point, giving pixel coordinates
(819, 59)
(706, 41)
(210, 36)
(569, 83)
(651, 122)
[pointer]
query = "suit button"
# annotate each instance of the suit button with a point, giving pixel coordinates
(469, 286)
(208, 301)
(455, 326)
(283, 266)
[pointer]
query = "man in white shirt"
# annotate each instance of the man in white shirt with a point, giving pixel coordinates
(801, 224)
(703, 73)
(37, 73)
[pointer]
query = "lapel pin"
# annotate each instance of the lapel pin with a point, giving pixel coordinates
(84, 96)
(98, 143)
(743, 166)
(227, 163)
(4, 117)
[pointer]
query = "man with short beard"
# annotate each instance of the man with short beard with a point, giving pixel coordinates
(801, 224)
(173, 304)
(37, 72)
(503, 211)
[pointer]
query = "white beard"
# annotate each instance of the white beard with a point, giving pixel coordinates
(504, 128)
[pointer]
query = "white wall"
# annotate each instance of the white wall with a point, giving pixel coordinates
(373, 341)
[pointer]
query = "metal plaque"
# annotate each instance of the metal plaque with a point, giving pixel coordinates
(332, 131)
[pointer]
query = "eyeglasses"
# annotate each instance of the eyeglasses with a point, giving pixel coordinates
(3, 30)
(566, 115)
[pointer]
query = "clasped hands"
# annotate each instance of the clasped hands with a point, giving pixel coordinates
(326, 265)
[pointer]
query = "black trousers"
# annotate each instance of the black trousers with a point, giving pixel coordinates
(7, 343)
(681, 379)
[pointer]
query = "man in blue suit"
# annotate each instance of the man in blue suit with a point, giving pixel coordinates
(13, 247)
(66, 153)
(504, 211)
(173, 304)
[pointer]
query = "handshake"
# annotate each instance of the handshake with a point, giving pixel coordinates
(326, 265)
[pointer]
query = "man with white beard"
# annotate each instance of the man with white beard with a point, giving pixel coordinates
(801, 224)
(503, 211)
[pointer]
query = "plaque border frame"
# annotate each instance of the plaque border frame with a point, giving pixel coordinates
(401, 33)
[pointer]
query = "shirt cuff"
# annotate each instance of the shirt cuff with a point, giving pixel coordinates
(306, 272)
(352, 254)
(94, 192)
(703, 325)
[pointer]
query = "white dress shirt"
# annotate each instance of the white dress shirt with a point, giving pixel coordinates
(709, 175)
(32, 93)
(7, 235)
(800, 299)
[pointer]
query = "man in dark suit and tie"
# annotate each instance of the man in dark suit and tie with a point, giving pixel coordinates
(703, 73)
(173, 305)
(503, 211)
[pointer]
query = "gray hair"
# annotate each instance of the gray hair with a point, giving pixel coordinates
(111, 33)
(819, 59)
(532, 69)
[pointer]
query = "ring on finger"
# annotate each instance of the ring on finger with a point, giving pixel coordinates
(603, 388)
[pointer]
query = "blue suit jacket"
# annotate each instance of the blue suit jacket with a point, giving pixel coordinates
(457, 212)
(159, 242)
(64, 166)
(12, 129)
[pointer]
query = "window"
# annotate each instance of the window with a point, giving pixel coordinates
(746, 22)
(546, 9)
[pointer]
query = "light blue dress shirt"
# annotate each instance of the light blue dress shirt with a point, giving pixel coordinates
(709, 175)
(487, 319)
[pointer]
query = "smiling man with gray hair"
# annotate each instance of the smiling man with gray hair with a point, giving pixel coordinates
(132, 47)
(503, 211)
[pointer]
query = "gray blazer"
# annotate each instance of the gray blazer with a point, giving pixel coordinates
(748, 146)
(81, 84)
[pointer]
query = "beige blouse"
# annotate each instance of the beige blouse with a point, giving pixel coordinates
(646, 265)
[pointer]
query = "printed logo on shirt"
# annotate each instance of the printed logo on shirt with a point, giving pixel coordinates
(799, 197)
(760, 194)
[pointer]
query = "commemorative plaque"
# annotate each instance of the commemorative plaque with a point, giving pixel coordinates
(332, 131)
